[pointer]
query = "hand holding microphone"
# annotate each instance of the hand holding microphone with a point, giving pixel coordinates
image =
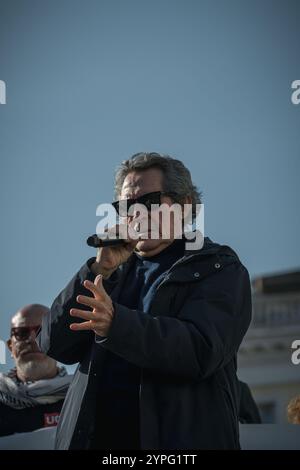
(112, 252)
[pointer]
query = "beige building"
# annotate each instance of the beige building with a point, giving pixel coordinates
(265, 356)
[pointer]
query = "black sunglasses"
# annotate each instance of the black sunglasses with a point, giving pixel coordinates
(22, 333)
(123, 205)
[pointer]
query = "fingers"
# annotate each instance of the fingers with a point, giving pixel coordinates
(96, 305)
(99, 326)
(88, 315)
(95, 289)
(99, 286)
(100, 318)
(88, 325)
(89, 301)
(84, 314)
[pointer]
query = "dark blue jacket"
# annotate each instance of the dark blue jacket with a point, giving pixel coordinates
(185, 346)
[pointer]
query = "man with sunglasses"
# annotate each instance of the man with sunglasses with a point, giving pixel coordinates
(32, 393)
(154, 325)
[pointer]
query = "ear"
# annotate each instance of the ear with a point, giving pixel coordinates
(8, 344)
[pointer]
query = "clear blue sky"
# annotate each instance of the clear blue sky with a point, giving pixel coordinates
(91, 82)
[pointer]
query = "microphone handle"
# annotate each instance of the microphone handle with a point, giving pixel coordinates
(97, 242)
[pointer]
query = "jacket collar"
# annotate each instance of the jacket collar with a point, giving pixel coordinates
(209, 255)
(209, 248)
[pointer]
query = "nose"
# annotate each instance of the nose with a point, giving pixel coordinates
(32, 335)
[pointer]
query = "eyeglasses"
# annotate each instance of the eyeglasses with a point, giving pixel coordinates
(147, 200)
(22, 333)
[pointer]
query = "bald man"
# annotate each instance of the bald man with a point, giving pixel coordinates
(32, 393)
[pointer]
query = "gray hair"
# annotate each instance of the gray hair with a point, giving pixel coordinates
(177, 178)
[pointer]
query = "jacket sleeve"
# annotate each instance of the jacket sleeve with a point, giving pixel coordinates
(202, 338)
(55, 338)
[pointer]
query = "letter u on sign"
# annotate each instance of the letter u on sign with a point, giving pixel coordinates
(51, 419)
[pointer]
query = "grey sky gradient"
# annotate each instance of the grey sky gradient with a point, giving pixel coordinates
(91, 82)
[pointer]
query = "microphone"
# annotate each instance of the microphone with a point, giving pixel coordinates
(97, 242)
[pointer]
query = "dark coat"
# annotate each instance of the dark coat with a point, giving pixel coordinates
(248, 409)
(186, 348)
(28, 419)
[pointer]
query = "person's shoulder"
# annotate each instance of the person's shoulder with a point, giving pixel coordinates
(219, 249)
(224, 252)
(210, 248)
(229, 257)
(222, 258)
(7, 376)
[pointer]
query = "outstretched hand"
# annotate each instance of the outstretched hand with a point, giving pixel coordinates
(100, 318)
